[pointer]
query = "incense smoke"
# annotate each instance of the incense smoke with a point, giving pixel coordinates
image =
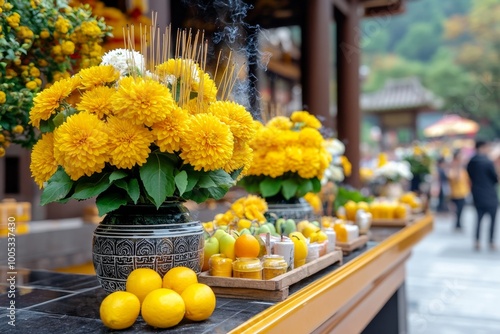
(242, 39)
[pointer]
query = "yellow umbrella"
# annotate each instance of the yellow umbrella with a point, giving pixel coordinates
(451, 125)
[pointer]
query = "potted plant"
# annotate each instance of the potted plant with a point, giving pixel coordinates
(141, 136)
(289, 160)
(41, 42)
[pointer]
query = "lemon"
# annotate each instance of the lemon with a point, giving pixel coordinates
(119, 310)
(179, 278)
(163, 308)
(200, 301)
(142, 281)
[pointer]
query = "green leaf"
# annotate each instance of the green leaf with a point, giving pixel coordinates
(58, 119)
(181, 181)
(206, 181)
(157, 176)
(110, 200)
(132, 188)
(217, 192)
(192, 180)
(305, 186)
(270, 187)
(316, 184)
(117, 175)
(87, 187)
(58, 186)
(289, 188)
(47, 126)
(198, 195)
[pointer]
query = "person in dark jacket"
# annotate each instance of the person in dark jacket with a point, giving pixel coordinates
(484, 180)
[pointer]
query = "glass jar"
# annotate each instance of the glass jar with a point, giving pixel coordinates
(247, 267)
(220, 265)
(273, 265)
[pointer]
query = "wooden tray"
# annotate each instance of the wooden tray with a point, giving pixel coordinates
(275, 289)
(391, 222)
(348, 247)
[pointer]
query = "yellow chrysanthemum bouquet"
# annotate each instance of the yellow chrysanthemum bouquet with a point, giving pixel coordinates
(290, 157)
(41, 41)
(141, 127)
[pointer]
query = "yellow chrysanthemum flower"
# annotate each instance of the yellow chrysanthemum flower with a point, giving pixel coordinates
(275, 164)
(68, 47)
(47, 101)
(91, 29)
(209, 90)
(242, 158)
(98, 76)
(315, 201)
(309, 137)
(306, 119)
(81, 145)
(179, 69)
(346, 165)
(309, 169)
(208, 143)
(169, 132)
(128, 143)
(97, 101)
(238, 207)
(142, 101)
(256, 201)
(236, 116)
(3, 97)
(280, 122)
(194, 106)
(43, 164)
(293, 158)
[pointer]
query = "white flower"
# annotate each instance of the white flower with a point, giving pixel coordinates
(335, 147)
(394, 170)
(333, 173)
(125, 61)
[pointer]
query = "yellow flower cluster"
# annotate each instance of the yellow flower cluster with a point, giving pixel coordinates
(290, 145)
(250, 208)
(41, 39)
(118, 121)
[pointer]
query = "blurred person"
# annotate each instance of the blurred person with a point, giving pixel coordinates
(443, 185)
(459, 182)
(484, 180)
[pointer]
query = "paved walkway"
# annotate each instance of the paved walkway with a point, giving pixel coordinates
(451, 288)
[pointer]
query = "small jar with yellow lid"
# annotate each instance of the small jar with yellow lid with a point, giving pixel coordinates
(247, 267)
(273, 265)
(220, 265)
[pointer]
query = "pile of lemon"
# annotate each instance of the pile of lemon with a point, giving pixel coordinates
(162, 302)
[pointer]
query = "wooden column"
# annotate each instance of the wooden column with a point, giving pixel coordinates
(348, 60)
(317, 60)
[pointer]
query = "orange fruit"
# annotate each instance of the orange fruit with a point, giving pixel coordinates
(246, 245)
(200, 301)
(142, 281)
(179, 278)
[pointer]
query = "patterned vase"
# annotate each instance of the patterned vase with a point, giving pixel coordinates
(140, 236)
(294, 208)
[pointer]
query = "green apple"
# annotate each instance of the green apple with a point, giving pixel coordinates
(315, 222)
(272, 229)
(289, 227)
(226, 246)
(279, 225)
(219, 233)
(211, 247)
(264, 229)
(245, 231)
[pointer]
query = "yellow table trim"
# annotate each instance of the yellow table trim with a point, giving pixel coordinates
(317, 302)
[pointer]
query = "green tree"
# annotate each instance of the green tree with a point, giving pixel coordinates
(420, 43)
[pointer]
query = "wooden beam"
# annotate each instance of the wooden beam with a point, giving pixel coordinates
(348, 87)
(317, 61)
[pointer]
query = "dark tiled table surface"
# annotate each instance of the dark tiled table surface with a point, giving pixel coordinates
(50, 302)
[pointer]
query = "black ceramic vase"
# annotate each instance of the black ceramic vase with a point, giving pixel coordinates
(141, 236)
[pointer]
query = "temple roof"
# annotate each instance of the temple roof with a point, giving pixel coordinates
(400, 94)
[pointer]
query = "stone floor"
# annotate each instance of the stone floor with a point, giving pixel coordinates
(451, 288)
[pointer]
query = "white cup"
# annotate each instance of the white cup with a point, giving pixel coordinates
(286, 249)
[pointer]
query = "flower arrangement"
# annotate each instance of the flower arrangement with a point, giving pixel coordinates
(340, 166)
(420, 162)
(289, 157)
(41, 41)
(249, 208)
(140, 131)
(393, 171)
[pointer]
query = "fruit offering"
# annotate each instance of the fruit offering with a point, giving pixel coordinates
(162, 302)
